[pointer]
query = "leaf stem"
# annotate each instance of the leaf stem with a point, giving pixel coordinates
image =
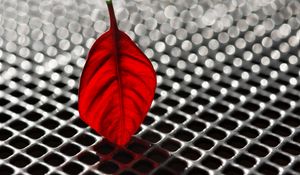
(113, 21)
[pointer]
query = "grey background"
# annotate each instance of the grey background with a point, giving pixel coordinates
(227, 100)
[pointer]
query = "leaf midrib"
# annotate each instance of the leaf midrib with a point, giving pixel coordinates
(115, 48)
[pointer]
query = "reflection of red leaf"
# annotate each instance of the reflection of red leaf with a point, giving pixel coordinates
(117, 85)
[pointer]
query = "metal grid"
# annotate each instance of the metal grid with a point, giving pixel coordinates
(227, 97)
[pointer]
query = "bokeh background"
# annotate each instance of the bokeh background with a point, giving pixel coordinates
(227, 100)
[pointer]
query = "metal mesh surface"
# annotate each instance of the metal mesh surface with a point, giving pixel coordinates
(227, 99)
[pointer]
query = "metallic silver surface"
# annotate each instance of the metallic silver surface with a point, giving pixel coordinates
(227, 100)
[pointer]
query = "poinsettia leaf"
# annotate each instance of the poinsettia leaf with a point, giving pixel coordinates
(117, 85)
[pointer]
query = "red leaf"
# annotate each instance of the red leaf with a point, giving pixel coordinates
(117, 85)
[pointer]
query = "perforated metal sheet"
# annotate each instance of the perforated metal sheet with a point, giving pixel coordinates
(227, 100)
